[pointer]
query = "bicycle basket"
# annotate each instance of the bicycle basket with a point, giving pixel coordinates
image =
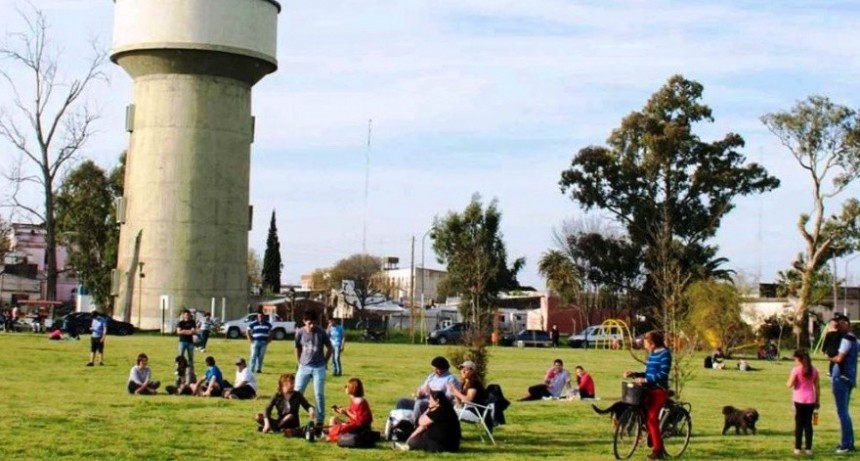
(632, 393)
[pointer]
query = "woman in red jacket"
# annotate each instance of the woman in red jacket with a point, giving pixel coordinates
(358, 415)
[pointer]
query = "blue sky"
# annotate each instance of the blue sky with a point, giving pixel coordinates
(495, 97)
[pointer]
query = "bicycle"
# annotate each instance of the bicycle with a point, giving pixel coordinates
(676, 425)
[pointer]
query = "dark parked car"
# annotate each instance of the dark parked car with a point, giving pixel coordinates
(453, 333)
(81, 322)
(531, 338)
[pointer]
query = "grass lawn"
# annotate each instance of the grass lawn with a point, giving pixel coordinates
(52, 407)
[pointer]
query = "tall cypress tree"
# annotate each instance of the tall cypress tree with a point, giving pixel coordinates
(272, 259)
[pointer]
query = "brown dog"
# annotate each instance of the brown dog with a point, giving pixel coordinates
(741, 419)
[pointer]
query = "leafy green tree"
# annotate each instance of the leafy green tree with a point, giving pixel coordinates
(667, 188)
(365, 274)
(272, 259)
(471, 245)
(46, 122)
(86, 221)
(824, 139)
(562, 275)
(715, 313)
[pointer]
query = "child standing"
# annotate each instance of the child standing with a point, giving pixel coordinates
(804, 383)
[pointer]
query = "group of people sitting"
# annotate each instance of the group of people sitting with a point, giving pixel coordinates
(212, 384)
(432, 410)
(557, 381)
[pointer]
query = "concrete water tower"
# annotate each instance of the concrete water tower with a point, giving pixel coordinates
(185, 213)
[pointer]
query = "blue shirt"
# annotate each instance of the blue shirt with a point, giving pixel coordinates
(98, 326)
(335, 333)
(657, 368)
(440, 383)
(214, 372)
(847, 370)
(260, 330)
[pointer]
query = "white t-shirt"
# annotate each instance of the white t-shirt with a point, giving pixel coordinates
(246, 377)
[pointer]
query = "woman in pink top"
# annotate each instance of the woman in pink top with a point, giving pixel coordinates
(803, 381)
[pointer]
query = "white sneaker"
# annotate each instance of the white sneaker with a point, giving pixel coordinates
(798, 452)
(401, 446)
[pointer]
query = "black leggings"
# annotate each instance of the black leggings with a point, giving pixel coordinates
(803, 424)
(537, 392)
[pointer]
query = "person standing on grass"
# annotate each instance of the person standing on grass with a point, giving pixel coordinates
(655, 381)
(204, 329)
(245, 385)
(336, 335)
(186, 329)
(803, 380)
(259, 334)
(98, 327)
(843, 379)
(140, 378)
(313, 351)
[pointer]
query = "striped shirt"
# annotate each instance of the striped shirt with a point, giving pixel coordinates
(260, 330)
(657, 368)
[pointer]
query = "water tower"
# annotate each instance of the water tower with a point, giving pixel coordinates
(185, 212)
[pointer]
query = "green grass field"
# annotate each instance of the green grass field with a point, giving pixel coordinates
(53, 407)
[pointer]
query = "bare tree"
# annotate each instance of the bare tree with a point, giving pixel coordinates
(48, 123)
(824, 139)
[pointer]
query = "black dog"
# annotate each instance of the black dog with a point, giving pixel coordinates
(616, 409)
(740, 419)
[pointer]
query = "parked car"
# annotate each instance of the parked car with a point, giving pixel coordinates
(82, 321)
(280, 328)
(600, 335)
(453, 333)
(532, 338)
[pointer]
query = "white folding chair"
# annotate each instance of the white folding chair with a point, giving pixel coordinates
(478, 415)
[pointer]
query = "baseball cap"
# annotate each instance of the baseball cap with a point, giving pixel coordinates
(840, 317)
(468, 364)
(240, 361)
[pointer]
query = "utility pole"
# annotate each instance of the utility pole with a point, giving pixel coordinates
(412, 291)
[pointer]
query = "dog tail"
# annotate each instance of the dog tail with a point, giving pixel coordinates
(599, 411)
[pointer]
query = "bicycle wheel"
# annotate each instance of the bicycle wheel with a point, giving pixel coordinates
(676, 430)
(628, 433)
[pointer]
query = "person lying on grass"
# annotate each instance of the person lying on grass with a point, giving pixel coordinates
(140, 378)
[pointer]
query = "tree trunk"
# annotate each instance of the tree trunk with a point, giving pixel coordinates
(51, 246)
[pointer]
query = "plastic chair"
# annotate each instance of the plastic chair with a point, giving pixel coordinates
(478, 415)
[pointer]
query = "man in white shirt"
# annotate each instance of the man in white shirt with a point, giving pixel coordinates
(245, 385)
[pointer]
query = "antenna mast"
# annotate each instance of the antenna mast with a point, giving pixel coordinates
(366, 182)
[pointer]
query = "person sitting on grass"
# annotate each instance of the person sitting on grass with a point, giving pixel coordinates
(438, 428)
(358, 415)
(287, 401)
(185, 378)
(55, 335)
(140, 378)
(245, 386)
(554, 383)
(584, 384)
(212, 382)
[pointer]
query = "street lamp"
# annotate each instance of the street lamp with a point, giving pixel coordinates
(141, 275)
(423, 271)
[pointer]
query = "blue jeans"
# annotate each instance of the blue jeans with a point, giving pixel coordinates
(187, 349)
(204, 338)
(258, 352)
(303, 377)
(335, 359)
(842, 396)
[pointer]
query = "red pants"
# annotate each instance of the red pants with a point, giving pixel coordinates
(654, 401)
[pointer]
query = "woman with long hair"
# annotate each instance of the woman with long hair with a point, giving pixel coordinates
(803, 380)
(286, 401)
(438, 428)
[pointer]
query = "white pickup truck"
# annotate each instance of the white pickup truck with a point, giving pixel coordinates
(237, 328)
